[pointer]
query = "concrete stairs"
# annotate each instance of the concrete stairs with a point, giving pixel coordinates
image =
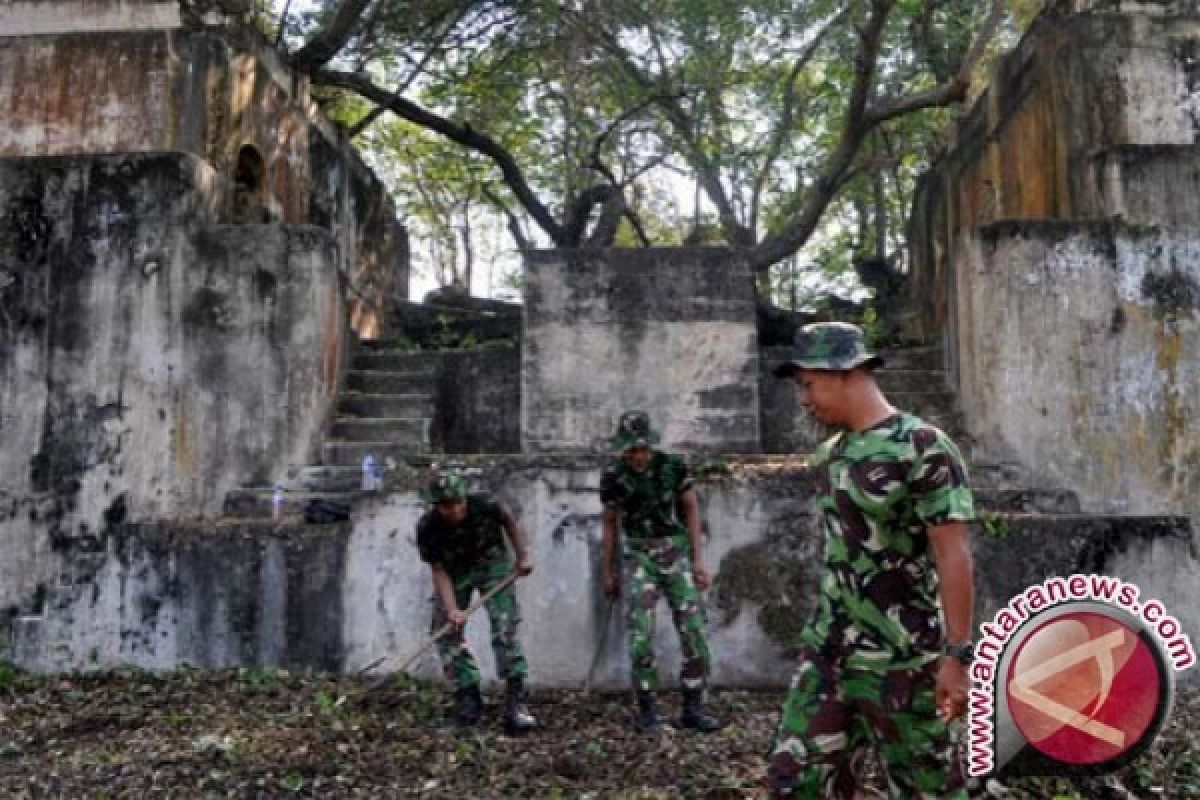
(385, 409)
(913, 378)
(1025, 532)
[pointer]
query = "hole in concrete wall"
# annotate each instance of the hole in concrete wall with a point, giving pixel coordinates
(248, 181)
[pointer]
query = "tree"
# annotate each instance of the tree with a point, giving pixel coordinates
(774, 108)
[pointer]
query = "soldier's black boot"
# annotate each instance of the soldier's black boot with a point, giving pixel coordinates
(647, 720)
(517, 719)
(469, 707)
(695, 715)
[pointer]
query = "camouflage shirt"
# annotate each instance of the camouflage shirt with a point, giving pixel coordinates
(877, 490)
(647, 501)
(479, 539)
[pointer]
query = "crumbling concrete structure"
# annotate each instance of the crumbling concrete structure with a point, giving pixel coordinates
(1057, 251)
(184, 240)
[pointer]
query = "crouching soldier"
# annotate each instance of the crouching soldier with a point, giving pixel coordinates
(642, 490)
(462, 540)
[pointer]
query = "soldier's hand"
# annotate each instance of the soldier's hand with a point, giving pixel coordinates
(951, 689)
(611, 585)
(524, 565)
(700, 574)
(457, 617)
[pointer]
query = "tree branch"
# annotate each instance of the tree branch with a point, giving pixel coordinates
(784, 129)
(460, 133)
(952, 91)
(325, 44)
(833, 176)
(514, 222)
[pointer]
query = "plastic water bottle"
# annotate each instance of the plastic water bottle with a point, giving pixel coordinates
(277, 503)
(368, 473)
(377, 474)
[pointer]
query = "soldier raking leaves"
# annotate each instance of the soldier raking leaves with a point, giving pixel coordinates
(462, 540)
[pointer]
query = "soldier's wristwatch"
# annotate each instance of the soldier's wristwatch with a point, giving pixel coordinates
(962, 653)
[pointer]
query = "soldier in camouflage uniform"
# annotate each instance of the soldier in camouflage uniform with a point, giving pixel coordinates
(642, 491)
(883, 659)
(462, 540)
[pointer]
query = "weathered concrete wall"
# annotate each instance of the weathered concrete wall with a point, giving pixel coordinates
(341, 597)
(158, 595)
(1077, 352)
(1079, 85)
(786, 426)
(479, 401)
(149, 359)
(210, 92)
(671, 331)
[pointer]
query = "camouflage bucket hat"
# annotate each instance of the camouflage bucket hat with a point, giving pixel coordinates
(449, 484)
(829, 345)
(633, 430)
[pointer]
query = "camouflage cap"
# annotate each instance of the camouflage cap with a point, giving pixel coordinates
(633, 430)
(448, 484)
(829, 345)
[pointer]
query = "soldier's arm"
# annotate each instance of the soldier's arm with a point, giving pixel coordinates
(608, 547)
(516, 535)
(952, 556)
(691, 518)
(445, 592)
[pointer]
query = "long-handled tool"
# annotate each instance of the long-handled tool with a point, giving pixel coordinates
(438, 634)
(587, 682)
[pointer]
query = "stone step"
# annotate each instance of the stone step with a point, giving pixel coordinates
(951, 421)
(913, 358)
(1044, 501)
(411, 431)
(257, 503)
(939, 403)
(328, 478)
(895, 381)
(415, 381)
(361, 404)
(351, 454)
(986, 474)
(383, 359)
(1013, 551)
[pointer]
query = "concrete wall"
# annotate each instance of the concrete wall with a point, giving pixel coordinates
(150, 360)
(208, 91)
(786, 426)
(219, 594)
(1036, 144)
(339, 598)
(671, 331)
(1077, 352)
(479, 400)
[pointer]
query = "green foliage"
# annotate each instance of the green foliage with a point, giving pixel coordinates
(995, 525)
(743, 102)
(8, 675)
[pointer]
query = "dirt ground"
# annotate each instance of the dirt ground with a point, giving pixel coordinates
(271, 734)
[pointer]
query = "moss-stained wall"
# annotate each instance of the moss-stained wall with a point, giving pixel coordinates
(1039, 143)
(150, 359)
(208, 92)
(1081, 357)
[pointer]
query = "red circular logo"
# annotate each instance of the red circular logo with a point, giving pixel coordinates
(1083, 688)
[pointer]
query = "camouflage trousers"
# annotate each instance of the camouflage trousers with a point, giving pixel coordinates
(458, 665)
(831, 718)
(655, 567)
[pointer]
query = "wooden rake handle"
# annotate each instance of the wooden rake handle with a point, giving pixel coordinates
(508, 581)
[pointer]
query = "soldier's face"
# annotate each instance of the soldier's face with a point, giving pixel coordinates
(820, 392)
(638, 458)
(452, 511)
